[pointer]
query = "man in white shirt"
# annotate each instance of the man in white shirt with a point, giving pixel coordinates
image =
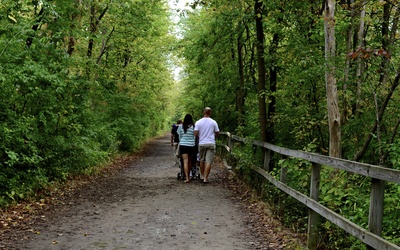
(207, 130)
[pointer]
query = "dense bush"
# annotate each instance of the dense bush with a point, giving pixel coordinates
(79, 82)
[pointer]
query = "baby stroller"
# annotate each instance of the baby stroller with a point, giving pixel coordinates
(194, 169)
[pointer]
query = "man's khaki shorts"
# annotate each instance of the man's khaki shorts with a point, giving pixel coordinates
(207, 152)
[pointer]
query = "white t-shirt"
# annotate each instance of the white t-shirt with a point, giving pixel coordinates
(207, 128)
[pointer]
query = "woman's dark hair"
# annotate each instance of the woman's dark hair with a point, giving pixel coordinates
(187, 121)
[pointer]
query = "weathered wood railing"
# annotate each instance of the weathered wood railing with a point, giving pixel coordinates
(377, 174)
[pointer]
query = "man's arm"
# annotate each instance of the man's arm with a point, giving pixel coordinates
(216, 130)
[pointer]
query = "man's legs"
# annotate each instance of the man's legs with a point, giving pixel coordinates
(202, 156)
(201, 170)
(207, 169)
(207, 161)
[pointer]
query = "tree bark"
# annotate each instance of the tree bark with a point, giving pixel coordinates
(94, 23)
(273, 78)
(360, 63)
(104, 47)
(350, 40)
(258, 9)
(331, 88)
(35, 27)
(385, 41)
(241, 91)
(74, 19)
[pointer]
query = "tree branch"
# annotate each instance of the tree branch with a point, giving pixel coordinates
(364, 148)
(104, 47)
(35, 27)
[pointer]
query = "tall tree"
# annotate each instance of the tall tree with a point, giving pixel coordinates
(54, 119)
(241, 90)
(259, 12)
(330, 79)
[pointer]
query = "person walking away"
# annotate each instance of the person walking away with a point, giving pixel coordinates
(207, 130)
(174, 134)
(187, 144)
(175, 140)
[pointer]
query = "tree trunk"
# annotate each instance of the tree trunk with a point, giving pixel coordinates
(258, 9)
(241, 92)
(35, 27)
(385, 41)
(273, 78)
(360, 63)
(331, 88)
(94, 23)
(74, 19)
(350, 40)
(93, 28)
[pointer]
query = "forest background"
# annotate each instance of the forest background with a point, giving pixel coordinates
(84, 81)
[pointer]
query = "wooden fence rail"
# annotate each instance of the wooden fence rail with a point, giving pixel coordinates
(378, 175)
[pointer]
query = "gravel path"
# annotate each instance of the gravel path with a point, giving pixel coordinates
(144, 206)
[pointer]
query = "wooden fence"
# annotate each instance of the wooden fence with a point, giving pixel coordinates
(379, 176)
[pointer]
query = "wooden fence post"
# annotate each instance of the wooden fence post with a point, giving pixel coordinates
(376, 207)
(282, 197)
(267, 159)
(283, 176)
(266, 167)
(313, 217)
(230, 144)
(379, 176)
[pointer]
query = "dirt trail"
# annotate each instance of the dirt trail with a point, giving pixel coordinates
(144, 206)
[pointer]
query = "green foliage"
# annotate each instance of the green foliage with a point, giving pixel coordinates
(333, 237)
(391, 213)
(298, 172)
(243, 161)
(345, 193)
(74, 93)
(219, 32)
(394, 152)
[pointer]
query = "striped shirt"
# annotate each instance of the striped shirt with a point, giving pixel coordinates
(188, 138)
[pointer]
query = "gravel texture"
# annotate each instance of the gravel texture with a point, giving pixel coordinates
(144, 206)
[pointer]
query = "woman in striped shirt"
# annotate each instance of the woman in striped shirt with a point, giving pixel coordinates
(187, 143)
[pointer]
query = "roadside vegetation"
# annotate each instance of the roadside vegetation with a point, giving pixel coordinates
(80, 82)
(318, 76)
(84, 81)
